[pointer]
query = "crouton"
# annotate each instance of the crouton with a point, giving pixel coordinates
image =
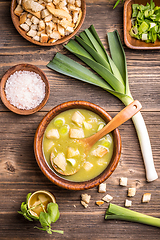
(55, 2)
(18, 10)
(36, 14)
(102, 188)
(41, 25)
(32, 5)
(99, 202)
(78, 118)
(25, 27)
(86, 198)
(107, 198)
(146, 197)
(36, 38)
(123, 181)
(100, 151)
(131, 192)
(34, 20)
(85, 205)
(55, 20)
(72, 152)
(39, 33)
(48, 18)
(23, 18)
(45, 13)
(65, 23)
(52, 133)
(87, 166)
(71, 1)
(61, 4)
(31, 33)
(75, 16)
(69, 30)
(128, 203)
(34, 27)
(72, 7)
(51, 40)
(60, 161)
(61, 30)
(55, 35)
(51, 26)
(28, 21)
(60, 13)
(78, 3)
(76, 133)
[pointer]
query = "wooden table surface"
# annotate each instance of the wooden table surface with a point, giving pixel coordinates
(19, 172)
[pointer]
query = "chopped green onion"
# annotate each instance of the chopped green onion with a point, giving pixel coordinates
(111, 75)
(59, 122)
(145, 22)
(121, 213)
(64, 130)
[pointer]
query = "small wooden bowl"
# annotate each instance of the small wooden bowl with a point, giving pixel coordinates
(25, 67)
(130, 41)
(15, 20)
(48, 194)
(49, 173)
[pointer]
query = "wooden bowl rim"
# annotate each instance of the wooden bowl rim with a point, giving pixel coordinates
(15, 21)
(52, 197)
(128, 40)
(45, 168)
(26, 67)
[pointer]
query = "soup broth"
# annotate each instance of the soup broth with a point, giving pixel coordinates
(62, 150)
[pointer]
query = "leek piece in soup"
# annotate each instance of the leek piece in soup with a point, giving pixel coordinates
(67, 155)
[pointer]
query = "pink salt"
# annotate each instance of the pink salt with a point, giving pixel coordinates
(25, 89)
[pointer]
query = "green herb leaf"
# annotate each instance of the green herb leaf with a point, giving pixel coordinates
(28, 196)
(44, 219)
(52, 209)
(24, 207)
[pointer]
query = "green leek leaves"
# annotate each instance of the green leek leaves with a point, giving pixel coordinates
(112, 77)
(121, 213)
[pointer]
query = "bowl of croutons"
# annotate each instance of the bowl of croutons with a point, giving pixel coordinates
(48, 22)
(61, 156)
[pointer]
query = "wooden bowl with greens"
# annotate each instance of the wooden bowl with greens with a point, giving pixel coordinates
(62, 160)
(141, 24)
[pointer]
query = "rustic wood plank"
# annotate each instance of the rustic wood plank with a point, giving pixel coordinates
(19, 172)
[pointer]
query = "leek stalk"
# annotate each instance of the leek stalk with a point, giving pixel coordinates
(112, 77)
(121, 213)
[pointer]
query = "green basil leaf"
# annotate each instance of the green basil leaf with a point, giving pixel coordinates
(44, 219)
(27, 198)
(52, 209)
(24, 207)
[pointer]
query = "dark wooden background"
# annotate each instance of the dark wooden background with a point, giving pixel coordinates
(19, 172)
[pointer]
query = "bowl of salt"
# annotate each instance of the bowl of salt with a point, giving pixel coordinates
(24, 89)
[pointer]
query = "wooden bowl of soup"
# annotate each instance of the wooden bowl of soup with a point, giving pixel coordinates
(58, 154)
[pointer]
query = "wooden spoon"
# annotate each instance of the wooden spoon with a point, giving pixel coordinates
(87, 143)
(124, 115)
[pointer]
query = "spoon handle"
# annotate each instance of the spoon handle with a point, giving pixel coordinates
(124, 115)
